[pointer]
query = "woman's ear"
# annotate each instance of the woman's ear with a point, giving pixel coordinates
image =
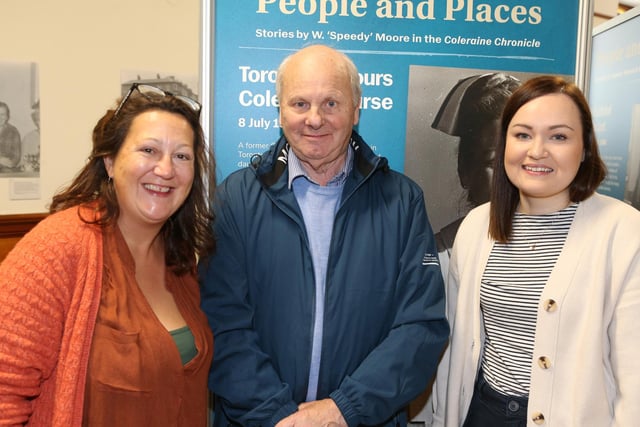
(108, 164)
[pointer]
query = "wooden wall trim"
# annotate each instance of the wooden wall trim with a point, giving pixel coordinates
(19, 225)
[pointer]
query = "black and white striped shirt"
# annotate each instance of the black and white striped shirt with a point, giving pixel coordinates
(512, 283)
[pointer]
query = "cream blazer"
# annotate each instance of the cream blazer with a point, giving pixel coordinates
(586, 359)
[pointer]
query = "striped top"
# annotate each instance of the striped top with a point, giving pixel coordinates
(513, 280)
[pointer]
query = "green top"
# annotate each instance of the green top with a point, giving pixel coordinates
(185, 342)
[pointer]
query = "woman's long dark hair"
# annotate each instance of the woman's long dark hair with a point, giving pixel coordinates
(592, 171)
(188, 233)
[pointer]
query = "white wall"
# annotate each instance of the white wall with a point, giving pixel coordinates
(81, 47)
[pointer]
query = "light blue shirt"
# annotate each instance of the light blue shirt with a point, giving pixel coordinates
(318, 205)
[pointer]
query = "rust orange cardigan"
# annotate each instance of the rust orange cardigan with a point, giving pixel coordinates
(48, 306)
(48, 309)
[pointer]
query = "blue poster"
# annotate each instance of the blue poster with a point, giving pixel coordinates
(614, 96)
(410, 55)
(384, 38)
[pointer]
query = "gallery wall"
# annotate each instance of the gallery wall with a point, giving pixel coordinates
(82, 47)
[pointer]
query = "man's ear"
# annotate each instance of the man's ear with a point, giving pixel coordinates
(356, 116)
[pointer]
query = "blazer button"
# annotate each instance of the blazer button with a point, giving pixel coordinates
(544, 362)
(538, 418)
(550, 305)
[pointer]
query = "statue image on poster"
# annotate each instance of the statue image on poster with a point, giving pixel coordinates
(471, 111)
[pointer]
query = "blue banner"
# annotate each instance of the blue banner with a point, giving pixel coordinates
(614, 96)
(384, 38)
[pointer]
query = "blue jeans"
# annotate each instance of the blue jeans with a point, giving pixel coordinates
(490, 408)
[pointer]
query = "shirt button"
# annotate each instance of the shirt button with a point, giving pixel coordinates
(550, 305)
(544, 362)
(538, 418)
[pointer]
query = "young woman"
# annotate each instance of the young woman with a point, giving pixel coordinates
(544, 281)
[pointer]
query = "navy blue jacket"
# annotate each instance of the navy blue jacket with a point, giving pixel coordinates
(384, 325)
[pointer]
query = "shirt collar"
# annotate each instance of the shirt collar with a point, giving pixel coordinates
(296, 170)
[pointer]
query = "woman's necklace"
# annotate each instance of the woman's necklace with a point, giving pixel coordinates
(541, 232)
(548, 229)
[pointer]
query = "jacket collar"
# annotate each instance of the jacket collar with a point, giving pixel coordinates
(271, 167)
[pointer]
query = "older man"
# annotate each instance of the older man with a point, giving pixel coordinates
(325, 294)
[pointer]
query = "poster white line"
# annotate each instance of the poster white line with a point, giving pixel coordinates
(400, 53)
